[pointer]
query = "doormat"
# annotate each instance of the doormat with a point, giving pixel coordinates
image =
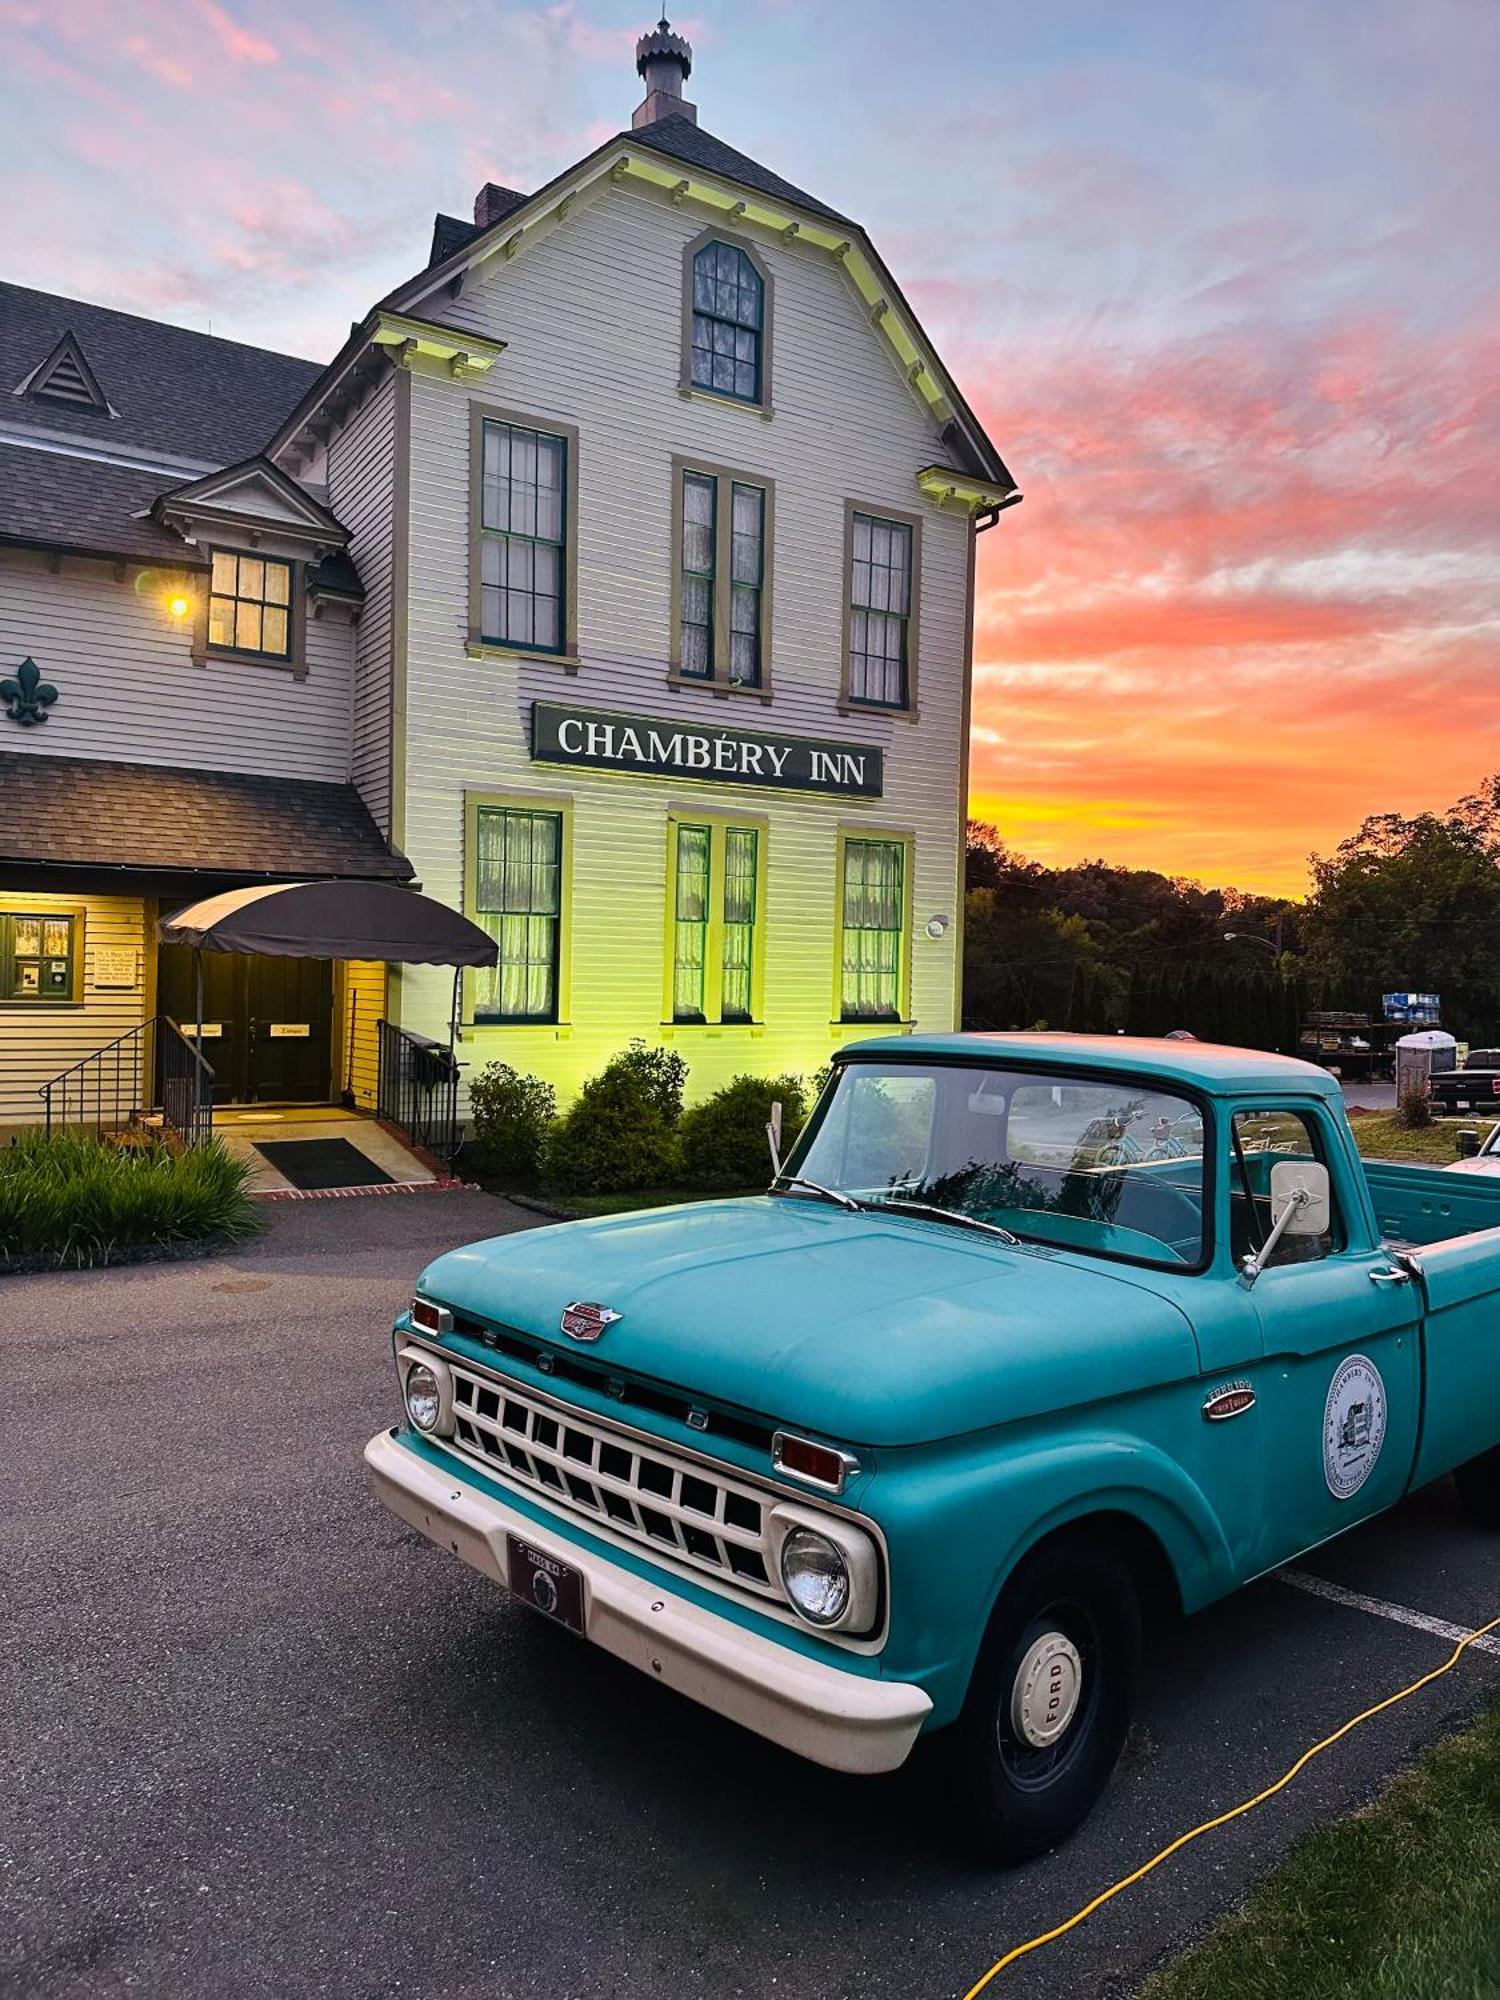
(322, 1163)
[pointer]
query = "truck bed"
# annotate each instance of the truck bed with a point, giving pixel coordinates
(1418, 1205)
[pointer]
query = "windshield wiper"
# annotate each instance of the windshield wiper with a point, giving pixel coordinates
(936, 1214)
(838, 1199)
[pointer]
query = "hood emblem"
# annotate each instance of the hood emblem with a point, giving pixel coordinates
(583, 1320)
(1231, 1401)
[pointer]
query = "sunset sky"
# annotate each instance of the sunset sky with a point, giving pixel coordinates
(1221, 279)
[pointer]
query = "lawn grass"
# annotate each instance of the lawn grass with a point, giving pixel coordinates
(71, 1200)
(1379, 1137)
(1401, 1902)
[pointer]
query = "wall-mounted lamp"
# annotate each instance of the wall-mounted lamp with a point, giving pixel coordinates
(178, 606)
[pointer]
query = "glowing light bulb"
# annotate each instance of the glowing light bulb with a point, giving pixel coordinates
(179, 606)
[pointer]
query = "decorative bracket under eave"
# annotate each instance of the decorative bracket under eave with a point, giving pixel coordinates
(456, 353)
(945, 486)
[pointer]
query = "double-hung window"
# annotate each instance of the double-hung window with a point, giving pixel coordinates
(715, 900)
(723, 534)
(517, 899)
(250, 605)
(872, 929)
(879, 648)
(728, 322)
(522, 532)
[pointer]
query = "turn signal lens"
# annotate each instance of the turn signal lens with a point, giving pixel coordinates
(819, 1463)
(431, 1318)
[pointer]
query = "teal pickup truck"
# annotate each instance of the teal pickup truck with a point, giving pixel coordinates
(1031, 1333)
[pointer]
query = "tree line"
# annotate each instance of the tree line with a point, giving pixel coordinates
(1401, 904)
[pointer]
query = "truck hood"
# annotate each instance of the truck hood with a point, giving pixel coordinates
(875, 1330)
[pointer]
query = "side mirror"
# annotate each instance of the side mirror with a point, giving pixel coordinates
(1301, 1205)
(773, 1136)
(1468, 1143)
(1300, 1190)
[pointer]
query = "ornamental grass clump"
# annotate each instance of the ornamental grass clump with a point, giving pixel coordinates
(69, 1200)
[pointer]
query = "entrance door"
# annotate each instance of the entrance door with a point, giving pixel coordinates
(266, 1022)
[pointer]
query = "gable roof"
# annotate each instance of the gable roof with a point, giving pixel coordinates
(683, 139)
(174, 393)
(718, 170)
(66, 377)
(255, 489)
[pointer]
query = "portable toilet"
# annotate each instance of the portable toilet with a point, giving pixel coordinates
(1418, 1055)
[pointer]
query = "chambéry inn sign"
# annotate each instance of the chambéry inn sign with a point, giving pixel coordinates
(639, 743)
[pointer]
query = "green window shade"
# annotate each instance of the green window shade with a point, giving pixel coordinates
(517, 900)
(741, 845)
(38, 957)
(690, 929)
(523, 536)
(699, 509)
(728, 310)
(747, 562)
(874, 918)
(879, 611)
(250, 605)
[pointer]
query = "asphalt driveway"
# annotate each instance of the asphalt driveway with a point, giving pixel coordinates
(257, 1738)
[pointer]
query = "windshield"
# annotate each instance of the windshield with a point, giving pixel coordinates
(1105, 1164)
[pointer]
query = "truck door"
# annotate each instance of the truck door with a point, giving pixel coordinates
(1339, 1384)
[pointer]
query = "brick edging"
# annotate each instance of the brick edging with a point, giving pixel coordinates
(449, 1185)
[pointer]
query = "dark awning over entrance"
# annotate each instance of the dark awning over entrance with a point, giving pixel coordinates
(372, 920)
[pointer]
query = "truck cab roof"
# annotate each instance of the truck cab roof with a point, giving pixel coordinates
(1209, 1066)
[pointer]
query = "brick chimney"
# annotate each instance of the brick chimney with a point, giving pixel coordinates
(493, 203)
(665, 61)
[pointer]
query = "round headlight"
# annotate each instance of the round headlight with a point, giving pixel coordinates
(424, 1399)
(816, 1574)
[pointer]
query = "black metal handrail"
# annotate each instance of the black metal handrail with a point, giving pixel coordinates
(187, 1084)
(109, 1088)
(417, 1089)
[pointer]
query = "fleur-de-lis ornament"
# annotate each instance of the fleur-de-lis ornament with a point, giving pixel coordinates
(26, 695)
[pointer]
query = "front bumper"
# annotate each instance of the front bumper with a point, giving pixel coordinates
(850, 1722)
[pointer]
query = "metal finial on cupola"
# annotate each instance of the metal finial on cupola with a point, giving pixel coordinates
(665, 60)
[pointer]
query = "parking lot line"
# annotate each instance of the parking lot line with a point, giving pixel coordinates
(1377, 1607)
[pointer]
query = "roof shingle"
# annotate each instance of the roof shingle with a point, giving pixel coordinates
(84, 811)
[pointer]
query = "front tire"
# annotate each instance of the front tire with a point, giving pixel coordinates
(1049, 1705)
(1478, 1485)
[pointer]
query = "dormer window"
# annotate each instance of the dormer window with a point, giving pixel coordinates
(250, 605)
(728, 296)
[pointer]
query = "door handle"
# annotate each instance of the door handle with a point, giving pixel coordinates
(1390, 1275)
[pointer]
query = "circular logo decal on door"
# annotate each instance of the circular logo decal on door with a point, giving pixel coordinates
(1353, 1426)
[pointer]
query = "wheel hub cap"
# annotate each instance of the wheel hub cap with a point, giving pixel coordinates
(1048, 1684)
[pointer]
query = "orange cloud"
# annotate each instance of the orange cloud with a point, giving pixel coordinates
(1253, 594)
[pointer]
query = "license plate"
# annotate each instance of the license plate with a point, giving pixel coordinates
(544, 1583)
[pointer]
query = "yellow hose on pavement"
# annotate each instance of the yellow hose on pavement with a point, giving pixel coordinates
(1234, 1812)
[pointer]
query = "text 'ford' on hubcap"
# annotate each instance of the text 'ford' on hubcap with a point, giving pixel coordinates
(1045, 1697)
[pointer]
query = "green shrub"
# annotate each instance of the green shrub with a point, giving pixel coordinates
(509, 1116)
(658, 1074)
(76, 1200)
(621, 1130)
(723, 1139)
(1414, 1112)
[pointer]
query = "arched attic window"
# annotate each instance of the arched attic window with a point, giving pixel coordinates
(729, 319)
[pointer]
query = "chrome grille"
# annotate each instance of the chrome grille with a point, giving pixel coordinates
(683, 1507)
